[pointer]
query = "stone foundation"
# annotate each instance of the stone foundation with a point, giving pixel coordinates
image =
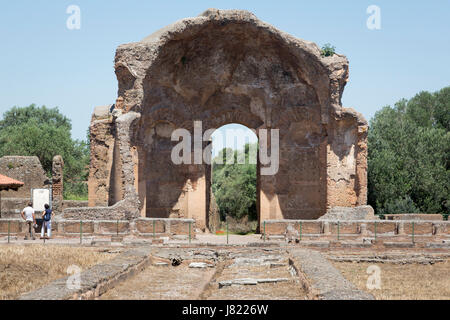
(143, 227)
(413, 216)
(334, 229)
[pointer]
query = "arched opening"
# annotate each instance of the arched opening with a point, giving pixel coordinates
(224, 74)
(233, 181)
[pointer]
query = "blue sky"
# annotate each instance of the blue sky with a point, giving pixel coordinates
(43, 62)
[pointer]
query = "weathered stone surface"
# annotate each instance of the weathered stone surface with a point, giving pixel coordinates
(226, 66)
(102, 112)
(96, 280)
(414, 216)
(325, 280)
(12, 207)
(57, 184)
(346, 213)
(74, 204)
(102, 148)
(26, 169)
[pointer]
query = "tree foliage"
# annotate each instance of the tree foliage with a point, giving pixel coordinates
(44, 132)
(328, 50)
(409, 155)
(234, 185)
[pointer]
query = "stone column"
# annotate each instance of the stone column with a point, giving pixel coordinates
(57, 181)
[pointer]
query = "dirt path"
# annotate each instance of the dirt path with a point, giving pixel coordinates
(162, 283)
(239, 274)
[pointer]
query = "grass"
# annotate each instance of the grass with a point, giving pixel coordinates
(75, 197)
(402, 282)
(26, 268)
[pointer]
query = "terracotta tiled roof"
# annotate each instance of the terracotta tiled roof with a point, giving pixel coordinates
(7, 182)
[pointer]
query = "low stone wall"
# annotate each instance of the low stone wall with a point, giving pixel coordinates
(350, 213)
(74, 204)
(126, 209)
(414, 216)
(354, 229)
(12, 207)
(323, 280)
(164, 226)
(96, 280)
(142, 227)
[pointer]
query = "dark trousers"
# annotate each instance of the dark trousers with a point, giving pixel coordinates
(30, 232)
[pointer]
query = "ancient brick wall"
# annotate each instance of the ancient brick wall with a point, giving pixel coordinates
(57, 183)
(26, 169)
(226, 66)
(102, 148)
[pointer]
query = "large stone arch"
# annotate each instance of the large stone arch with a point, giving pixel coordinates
(226, 66)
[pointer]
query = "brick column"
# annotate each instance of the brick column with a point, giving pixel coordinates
(57, 183)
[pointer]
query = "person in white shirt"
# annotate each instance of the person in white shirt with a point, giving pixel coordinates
(30, 220)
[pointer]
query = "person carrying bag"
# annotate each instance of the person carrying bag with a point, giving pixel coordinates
(46, 222)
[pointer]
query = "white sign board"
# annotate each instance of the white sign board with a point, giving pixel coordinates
(40, 198)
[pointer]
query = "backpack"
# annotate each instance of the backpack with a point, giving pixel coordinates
(48, 215)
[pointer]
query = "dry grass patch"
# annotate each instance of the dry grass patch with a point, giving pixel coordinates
(402, 281)
(26, 268)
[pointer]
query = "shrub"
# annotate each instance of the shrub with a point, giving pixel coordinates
(75, 191)
(400, 205)
(328, 50)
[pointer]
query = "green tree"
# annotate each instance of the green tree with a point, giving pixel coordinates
(44, 132)
(234, 185)
(409, 155)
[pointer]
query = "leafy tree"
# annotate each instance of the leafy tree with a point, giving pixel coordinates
(44, 132)
(21, 115)
(234, 185)
(409, 155)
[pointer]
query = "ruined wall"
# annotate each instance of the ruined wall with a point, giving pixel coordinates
(226, 66)
(57, 183)
(26, 169)
(347, 159)
(102, 147)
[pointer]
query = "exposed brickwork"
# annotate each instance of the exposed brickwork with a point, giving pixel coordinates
(57, 184)
(381, 227)
(414, 216)
(76, 227)
(25, 169)
(328, 229)
(148, 226)
(323, 146)
(420, 227)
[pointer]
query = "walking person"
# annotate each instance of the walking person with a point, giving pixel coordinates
(30, 220)
(46, 222)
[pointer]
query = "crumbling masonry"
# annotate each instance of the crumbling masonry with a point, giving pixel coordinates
(225, 66)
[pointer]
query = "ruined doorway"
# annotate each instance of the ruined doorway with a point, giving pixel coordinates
(233, 180)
